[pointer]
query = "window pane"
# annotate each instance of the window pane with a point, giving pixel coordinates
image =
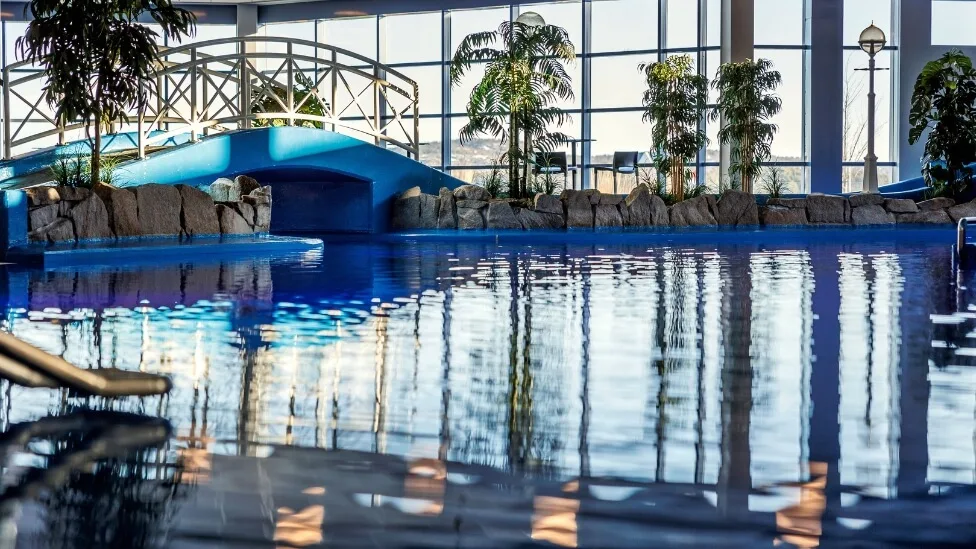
(462, 92)
(682, 24)
(617, 81)
(861, 13)
(428, 81)
(788, 143)
(465, 22)
(855, 128)
(618, 131)
(356, 35)
(713, 23)
(430, 139)
(952, 23)
(779, 22)
(568, 15)
(481, 151)
(412, 38)
(624, 25)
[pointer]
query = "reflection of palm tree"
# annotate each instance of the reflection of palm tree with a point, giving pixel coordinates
(520, 420)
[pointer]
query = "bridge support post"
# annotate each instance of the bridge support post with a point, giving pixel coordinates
(247, 25)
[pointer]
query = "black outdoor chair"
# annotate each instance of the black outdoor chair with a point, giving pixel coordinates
(623, 162)
(551, 163)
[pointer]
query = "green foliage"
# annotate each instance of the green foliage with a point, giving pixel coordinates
(773, 184)
(944, 104)
(674, 103)
(99, 60)
(494, 182)
(74, 170)
(304, 95)
(746, 103)
(544, 182)
(514, 101)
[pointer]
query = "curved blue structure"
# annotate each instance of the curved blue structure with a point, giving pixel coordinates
(323, 181)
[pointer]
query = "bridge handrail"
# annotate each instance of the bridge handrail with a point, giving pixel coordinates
(187, 105)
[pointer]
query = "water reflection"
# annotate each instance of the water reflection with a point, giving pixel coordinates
(779, 379)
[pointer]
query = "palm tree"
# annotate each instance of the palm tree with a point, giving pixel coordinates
(98, 59)
(746, 102)
(523, 77)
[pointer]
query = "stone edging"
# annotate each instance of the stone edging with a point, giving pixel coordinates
(471, 207)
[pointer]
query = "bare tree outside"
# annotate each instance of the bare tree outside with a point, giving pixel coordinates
(855, 130)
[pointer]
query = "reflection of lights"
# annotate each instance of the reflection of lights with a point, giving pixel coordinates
(802, 524)
(314, 491)
(426, 481)
(554, 518)
(351, 13)
(302, 528)
(199, 360)
(197, 460)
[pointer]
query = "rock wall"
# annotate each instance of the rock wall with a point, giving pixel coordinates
(69, 214)
(471, 207)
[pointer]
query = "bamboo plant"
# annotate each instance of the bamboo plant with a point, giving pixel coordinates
(674, 102)
(746, 103)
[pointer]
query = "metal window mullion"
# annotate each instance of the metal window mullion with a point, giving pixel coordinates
(446, 53)
(586, 87)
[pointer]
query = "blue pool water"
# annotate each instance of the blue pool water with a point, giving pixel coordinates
(766, 375)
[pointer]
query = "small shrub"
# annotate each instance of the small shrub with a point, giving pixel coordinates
(729, 183)
(773, 183)
(494, 181)
(71, 170)
(693, 190)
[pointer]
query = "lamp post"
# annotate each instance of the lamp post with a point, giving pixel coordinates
(872, 41)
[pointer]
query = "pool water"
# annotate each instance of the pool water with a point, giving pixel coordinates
(752, 374)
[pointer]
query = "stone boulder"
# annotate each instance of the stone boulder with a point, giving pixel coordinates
(42, 196)
(823, 208)
(90, 219)
(260, 199)
(258, 196)
(501, 216)
(645, 209)
(611, 199)
(546, 203)
(122, 208)
(159, 209)
(446, 210)
(927, 217)
(415, 210)
(900, 205)
(198, 215)
(736, 208)
(60, 230)
(471, 218)
(960, 211)
(594, 194)
(607, 215)
(472, 192)
(246, 184)
(794, 203)
(579, 209)
(231, 222)
(780, 216)
(934, 204)
(245, 210)
(871, 215)
(865, 199)
(694, 212)
(225, 190)
(73, 194)
(530, 219)
(42, 216)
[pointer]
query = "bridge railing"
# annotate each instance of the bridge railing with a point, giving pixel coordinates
(239, 83)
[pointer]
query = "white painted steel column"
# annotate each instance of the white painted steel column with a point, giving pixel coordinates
(738, 44)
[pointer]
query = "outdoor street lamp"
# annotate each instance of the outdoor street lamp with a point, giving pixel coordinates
(872, 41)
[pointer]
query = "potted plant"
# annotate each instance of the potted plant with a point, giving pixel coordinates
(746, 102)
(524, 75)
(674, 102)
(944, 105)
(99, 59)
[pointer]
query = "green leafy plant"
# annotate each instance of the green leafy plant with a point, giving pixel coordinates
(494, 181)
(524, 76)
(304, 94)
(98, 58)
(544, 182)
(944, 104)
(74, 170)
(674, 103)
(774, 184)
(728, 183)
(746, 103)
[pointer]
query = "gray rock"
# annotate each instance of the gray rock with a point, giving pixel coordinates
(61, 230)
(871, 215)
(447, 210)
(471, 204)
(693, 212)
(928, 217)
(611, 199)
(624, 213)
(501, 216)
(736, 208)
(579, 209)
(472, 192)
(73, 194)
(822, 208)
(594, 194)
(645, 209)
(428, 211)
(122, 208)
(225, 190)
(530, 219)
(198, 214)
(778, 215)
(42, 196)
(42, 216)
(900, 205)
(796, 203)
(258, 196)
(159, 209)
(231, 222)
(470, 218)
(90, 219)
(246, 184)
(262, 217)
(415, 210)
(865, 199)
(245, 210)
(607, 215)
(960, 211)
(546, 203)
(933, 204)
